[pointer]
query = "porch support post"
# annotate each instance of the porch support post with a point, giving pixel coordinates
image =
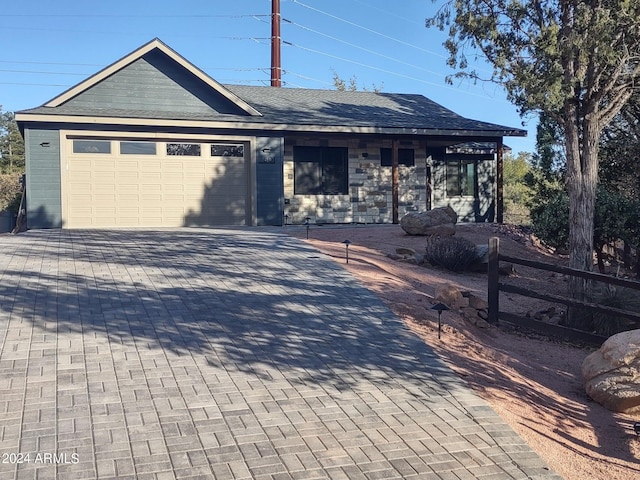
(493, 294)
(499, 180)
(394, 180)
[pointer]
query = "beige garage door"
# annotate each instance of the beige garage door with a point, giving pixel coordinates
(122, 183)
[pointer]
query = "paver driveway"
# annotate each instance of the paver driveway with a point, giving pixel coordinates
(222, 354)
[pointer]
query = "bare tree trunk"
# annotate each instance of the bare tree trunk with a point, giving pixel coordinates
(582, 180)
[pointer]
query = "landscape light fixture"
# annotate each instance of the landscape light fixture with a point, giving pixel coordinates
(286, 219)
(306, 222)
(440, 307)
(347, 243)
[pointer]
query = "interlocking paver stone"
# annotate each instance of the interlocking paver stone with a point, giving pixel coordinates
(223, 354)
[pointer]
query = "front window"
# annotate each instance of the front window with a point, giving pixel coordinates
(461, 178)
(320, 170)
(406, 157)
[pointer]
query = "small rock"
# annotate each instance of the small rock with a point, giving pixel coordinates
(470, 314)
(394, 256)
(449, 295)
(483, 314)
(477, 302)
(507, 269)
(482, 324)
(405, 251)
(555, 320)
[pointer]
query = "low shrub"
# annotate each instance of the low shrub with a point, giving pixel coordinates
(452, 253)
(615, 297)
(10, 192)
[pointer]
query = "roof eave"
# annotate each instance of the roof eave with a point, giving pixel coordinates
(24, 117)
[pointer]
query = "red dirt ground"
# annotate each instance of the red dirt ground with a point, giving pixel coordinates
(534, 384)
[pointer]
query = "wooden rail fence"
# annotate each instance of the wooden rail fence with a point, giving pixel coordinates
(495, 286)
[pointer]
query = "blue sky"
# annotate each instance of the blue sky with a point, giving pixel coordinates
(50, 46)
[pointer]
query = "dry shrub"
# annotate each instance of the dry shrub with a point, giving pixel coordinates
(452, 253)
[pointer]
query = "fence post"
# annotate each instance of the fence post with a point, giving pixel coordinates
(492, 290)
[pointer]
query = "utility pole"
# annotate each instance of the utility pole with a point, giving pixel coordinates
(276, 63)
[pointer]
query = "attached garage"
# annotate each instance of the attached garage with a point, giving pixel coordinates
(170, 182)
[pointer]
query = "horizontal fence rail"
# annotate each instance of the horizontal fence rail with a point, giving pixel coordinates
(495, 287)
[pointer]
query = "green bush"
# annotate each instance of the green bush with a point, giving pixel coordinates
(10, 192)
(452, 253)
(550, 219)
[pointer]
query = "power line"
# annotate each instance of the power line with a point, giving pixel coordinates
(387, 12)
(66, 30)
(52, 63)
(36, 84)
(382, 69)
(305, 77)
(109, 15)
(44, 73)
(373, 52)
(368, 29)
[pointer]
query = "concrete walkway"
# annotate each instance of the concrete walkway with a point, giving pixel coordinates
(222, 354)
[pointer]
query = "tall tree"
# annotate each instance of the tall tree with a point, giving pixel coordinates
(577, 61)
(342, 85)
(11, 144)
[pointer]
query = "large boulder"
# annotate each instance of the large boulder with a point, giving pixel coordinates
(438, 221)
(612, 374)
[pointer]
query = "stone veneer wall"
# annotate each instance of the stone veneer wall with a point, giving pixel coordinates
(369, 199)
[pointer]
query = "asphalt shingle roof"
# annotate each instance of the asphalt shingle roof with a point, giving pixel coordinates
(349, 108)
(327, 108)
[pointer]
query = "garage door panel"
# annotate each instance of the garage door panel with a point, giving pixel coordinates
(170, 198)
(77, 178)
(104, 166)
(127, 198)
(82, 211)
(105, 211)
(170, 191)
(104, 200)
(128, 176)
(129, 211)
(80, 201)
(150, 198)
(150, 177)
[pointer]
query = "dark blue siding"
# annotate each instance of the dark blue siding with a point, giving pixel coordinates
(43, 178)
(269, 181)
(154, 83)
